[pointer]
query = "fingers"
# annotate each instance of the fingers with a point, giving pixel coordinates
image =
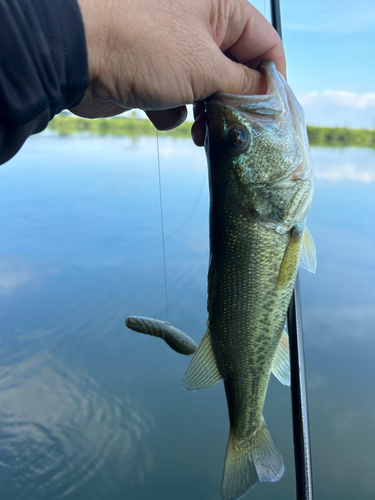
(247, 40)
(172, 118)
(241, 39)
(97, 109)
(198, 130)
(250, 38)
(236, 78)
(198, 108)
(169, 118)
(171, 53)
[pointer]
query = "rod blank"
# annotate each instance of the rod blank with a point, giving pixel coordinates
(276, 16)
(301, 437)
(300, 414)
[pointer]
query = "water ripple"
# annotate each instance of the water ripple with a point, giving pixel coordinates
(59, 430)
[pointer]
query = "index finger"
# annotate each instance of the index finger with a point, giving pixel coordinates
(250, 38)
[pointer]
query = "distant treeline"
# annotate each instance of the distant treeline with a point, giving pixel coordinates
(325, 136)
(129, 126)
(133, 127)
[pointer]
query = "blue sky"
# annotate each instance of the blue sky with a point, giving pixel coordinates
(329, 44)
(330, 49)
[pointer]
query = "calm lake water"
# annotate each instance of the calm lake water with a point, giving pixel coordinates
(92, 410)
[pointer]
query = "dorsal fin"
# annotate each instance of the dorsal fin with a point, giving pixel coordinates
(202, 371)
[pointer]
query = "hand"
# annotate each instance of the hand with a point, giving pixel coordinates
(159, 55)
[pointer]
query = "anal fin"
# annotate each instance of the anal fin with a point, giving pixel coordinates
(281, 363)
(202, 371)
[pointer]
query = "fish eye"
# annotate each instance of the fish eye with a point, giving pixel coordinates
(239, 138)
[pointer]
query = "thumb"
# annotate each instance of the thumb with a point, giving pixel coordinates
(236, 78)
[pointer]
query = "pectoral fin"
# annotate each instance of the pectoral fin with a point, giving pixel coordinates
(202, 371)
(308, 252)
(290, 260)
(280, 364)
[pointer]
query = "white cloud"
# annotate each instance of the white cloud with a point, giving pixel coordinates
(340, 108)
(343, 97)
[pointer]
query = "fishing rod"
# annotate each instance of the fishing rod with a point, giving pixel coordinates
(300, 414)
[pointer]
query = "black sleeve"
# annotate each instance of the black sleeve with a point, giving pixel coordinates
(43, 66)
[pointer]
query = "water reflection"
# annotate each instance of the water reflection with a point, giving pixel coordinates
(88, 409)
(59, 430)
(14, 273)
(347, 164)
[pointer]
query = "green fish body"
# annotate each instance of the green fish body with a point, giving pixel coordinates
(261, 189)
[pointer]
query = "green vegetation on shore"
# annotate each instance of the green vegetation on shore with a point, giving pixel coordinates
(129, 126)
(133, 127)
(339, 137)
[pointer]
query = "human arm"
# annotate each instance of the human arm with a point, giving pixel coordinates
(156, 55)
(43, 66)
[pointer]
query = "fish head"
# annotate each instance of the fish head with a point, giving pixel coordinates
(257, 147)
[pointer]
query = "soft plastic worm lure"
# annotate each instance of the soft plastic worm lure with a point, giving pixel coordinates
(176, 339)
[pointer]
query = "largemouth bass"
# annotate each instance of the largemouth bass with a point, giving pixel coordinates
(261, 189)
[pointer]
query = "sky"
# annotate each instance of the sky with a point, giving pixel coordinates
(330, 50)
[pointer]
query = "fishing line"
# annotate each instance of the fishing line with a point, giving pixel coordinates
(203, 183)
(162, 227)
(118, 312)
(195, 204)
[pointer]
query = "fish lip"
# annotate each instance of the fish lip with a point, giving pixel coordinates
(234, 101)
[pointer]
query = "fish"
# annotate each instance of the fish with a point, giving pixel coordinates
(176, 339)
(262, 186)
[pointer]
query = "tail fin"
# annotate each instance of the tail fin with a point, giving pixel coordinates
(246, 463)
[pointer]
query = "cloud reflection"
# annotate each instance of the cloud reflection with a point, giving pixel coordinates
(347, 321)
(14, 273)
(348, 164)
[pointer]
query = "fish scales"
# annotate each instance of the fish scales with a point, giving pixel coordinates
(248, 284)
(261, 189)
